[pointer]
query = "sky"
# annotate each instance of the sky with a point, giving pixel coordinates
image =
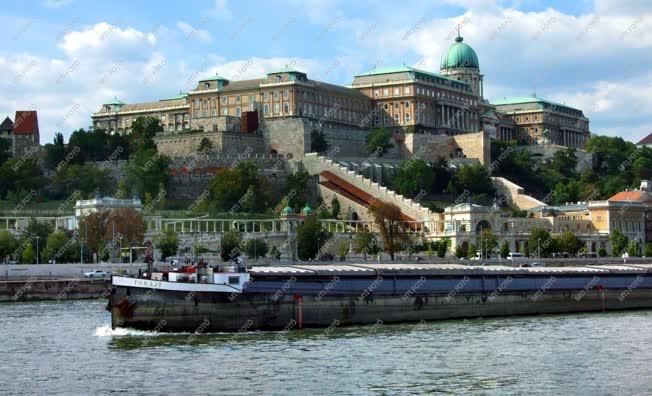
(64, 58)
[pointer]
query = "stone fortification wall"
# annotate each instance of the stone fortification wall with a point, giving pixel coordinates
(184, 144)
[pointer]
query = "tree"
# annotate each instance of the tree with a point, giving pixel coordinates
(8, 245)
(569, 242)
(619, 242)
(205, 146)
(310, 238)
(21, 178)
(231, 245)
(275, 253)
(143, 131)
(414, 176)
(459, 251)
(472, 251)
(387, 217)
(5, 149)
(378, 141)
(540, 243)
(318, 142)
(239, 189)
(648, 249)
(168, 243)
(365, 242)
(342, 250)
(504, 249)
(29, 254)
(442, 247)
(473, 178)
(56, 247)
(83, 178)
(335, 208)
(489, 242)
(633, 249)
(55, 152)
(256, 248)
(147, 172)
(296, 189)
(129, 225)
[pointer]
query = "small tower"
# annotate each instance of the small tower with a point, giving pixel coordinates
(460, 62)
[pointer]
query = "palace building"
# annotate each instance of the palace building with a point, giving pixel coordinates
(402, 99)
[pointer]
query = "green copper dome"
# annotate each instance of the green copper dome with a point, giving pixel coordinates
(459, 55)
(307, 210)
(287, 210)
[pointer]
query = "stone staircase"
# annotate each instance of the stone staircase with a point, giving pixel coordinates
(316, 164)
(515, 194)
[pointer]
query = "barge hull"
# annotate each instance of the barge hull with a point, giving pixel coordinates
(223, 312)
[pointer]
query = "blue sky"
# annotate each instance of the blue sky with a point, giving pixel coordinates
(66, 57)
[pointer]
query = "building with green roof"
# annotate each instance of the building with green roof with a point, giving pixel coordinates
(542, 121)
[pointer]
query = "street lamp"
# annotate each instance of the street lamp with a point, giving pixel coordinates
(539, 247)
(37, 246)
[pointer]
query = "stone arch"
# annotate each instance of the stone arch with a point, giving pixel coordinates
(482, 225)
(354, 216)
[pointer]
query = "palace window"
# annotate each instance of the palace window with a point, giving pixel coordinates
(225, 100)
(397, 91)
(286, 93)
(238, 112)
(265, 95)
(225, 111)
(407, 104)
(277, 108)
(396, 105)
(252, 98)
(196, 115)
(286, 107)
(237, 99)
(275, 95)
(196, 102)
(376, 93)
(386, 106)
(397, 118)
(213, 113)
(204, 113)
(407, 117)
(385, 91)
(266, 109)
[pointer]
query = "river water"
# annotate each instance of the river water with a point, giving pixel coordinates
(69, 348)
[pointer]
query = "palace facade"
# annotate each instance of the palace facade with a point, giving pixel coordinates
(403, 99)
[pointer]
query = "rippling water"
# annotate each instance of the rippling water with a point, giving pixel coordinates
(69, 348)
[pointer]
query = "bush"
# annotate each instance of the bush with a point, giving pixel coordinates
(256, 248)
(231, 245)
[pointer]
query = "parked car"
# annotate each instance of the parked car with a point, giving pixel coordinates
(514, 256)
(96, 274)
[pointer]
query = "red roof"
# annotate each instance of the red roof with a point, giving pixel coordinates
(26, 122)
(634, 195)
(646, 140)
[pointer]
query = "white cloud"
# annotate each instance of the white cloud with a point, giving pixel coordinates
(56, 3)
(220, 9)
(191, 32)
(104, 39)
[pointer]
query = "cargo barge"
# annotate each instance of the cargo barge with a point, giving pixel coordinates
(299, 296)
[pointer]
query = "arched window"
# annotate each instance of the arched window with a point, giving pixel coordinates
(266, 109)
(286, 108)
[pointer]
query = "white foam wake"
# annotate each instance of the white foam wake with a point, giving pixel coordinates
(107, 331)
